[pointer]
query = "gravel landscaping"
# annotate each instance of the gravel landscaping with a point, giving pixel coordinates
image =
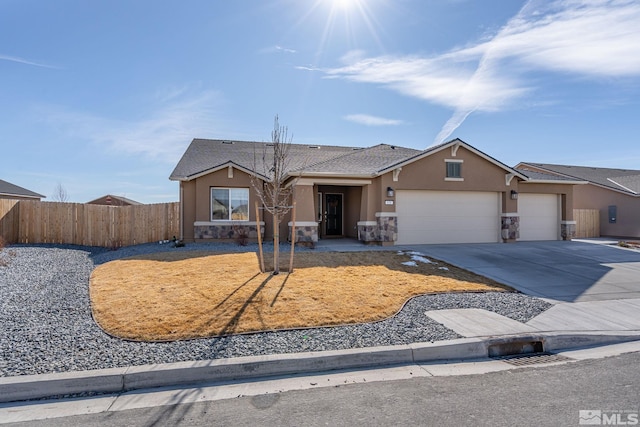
(46, 324)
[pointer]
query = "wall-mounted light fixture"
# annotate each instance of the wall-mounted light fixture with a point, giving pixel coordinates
(390, 192)
(514, 195)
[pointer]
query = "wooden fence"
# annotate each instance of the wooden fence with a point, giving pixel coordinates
(91, 225)
(587, 222)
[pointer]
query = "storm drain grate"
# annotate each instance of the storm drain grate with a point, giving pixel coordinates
(533, 358)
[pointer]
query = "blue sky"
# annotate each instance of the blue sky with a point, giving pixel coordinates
(104, 96)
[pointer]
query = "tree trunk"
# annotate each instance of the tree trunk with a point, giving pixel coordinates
(276, 244)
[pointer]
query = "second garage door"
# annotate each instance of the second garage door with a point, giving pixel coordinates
(539, 216)
(447, 217)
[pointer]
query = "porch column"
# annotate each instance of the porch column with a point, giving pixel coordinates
(567, 224)
(306, 221)
(509, 218)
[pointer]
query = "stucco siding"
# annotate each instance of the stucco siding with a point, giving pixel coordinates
(628, 209)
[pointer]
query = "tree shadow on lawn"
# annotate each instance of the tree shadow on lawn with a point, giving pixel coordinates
(223, 294)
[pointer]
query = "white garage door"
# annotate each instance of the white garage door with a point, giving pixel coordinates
(539, 216)
(447, 217)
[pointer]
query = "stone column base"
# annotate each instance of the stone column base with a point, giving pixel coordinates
(384, 230)
(306, 232)
(510, 227)
(568, 230)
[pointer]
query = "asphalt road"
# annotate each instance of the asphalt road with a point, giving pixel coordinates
(543, 396)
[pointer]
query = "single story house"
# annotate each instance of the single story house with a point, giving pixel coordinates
(384, 194)
(12, 191)
(111, 200)
(614, 192)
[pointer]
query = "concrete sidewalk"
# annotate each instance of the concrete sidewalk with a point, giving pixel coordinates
(613, 315)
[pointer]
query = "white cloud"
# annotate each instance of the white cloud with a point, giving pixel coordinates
(277, 49)
(365, 119)
(590, 38)
(25, 61)
(162, 135)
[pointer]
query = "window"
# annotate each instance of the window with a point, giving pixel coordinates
(454, 169)
(230, 204)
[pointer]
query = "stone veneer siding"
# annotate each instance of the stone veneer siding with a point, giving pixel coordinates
(510, 227)
(226, 231)
(385, 230)
(568, 230)
(305, 234)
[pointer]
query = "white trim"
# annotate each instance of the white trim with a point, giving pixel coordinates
(225, 222)
(386, 214)
(367, 223)
(453, 160)
(453, 179)
(626, 188)
(510, 214)
(396, 173)
(216, 169)
(508, 178)
(568, 222)
(454, 149)
(230, 210)
(333, 181)
(553, 181)
(303, 223)
(449, 144)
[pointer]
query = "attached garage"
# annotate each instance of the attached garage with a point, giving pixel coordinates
(539, 216)
(447, 217)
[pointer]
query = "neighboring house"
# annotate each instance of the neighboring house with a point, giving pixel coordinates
(12, 191)
(614, 192)
(384, 194)
(111, 200)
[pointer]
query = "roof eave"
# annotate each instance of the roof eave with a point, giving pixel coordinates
(332, 175)
(24, 196)
(553, 181)
(216, 169)
(428, 152)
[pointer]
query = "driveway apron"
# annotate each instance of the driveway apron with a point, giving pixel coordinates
(560, 271)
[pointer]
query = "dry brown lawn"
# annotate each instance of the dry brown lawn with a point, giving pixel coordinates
(181, 295)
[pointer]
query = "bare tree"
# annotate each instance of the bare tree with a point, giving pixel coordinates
(274, 194)
(60, 194)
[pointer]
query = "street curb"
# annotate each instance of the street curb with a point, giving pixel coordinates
(119, 380)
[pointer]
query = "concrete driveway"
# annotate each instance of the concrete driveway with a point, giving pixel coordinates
(562, 271)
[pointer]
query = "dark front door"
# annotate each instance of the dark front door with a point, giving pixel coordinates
(333, 214)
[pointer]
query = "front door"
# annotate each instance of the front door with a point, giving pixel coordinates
(333, 215)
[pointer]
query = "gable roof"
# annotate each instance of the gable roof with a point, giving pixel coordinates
(204, 156)
(623, 180)
(9, 189)
(454, 144)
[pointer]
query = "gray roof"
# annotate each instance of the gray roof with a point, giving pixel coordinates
(205, 155)
(365, 161)
(9, 189)
(540, 176)
(625, 180)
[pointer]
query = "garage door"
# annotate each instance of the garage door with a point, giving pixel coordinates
(538, 216)
(447, 217)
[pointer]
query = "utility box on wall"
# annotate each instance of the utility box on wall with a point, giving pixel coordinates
(613, 214)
